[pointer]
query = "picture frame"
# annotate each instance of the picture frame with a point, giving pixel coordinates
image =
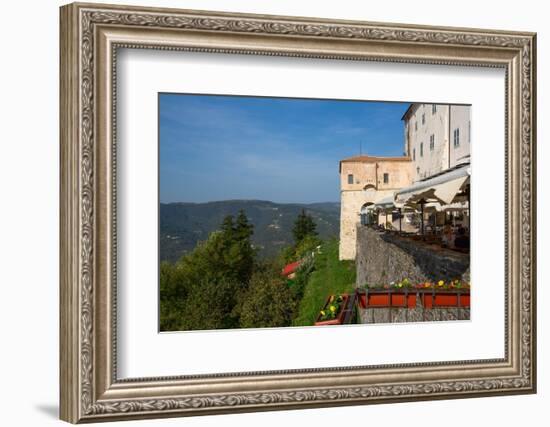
(90, 389)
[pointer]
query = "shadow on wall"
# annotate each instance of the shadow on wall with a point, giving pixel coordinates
(50, 410)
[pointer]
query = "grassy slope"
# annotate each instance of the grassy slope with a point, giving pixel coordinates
(330, 276)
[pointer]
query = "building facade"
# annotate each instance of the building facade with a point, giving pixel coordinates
(363, 181)
(437, 137)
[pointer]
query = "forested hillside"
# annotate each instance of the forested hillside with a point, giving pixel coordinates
(183, 225)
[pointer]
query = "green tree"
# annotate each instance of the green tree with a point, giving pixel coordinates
(201, 289)
(237, 246)
(299, 283)
(210, 305)
(173, 294)
(228, 228)
(306, 246)
(268, 302)
(303, 226)
(243, 228)
(287, 255)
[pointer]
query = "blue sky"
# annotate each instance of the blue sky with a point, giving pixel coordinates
(278, 149)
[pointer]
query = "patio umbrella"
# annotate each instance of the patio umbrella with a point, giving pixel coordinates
(442, 188)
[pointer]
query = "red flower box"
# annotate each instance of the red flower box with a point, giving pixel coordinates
(339, 319)
(391, 298)
(446, 299)
(388, 299)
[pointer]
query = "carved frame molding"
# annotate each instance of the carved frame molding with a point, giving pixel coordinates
(90, 37)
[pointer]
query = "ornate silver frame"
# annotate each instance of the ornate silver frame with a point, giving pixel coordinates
(90, 36)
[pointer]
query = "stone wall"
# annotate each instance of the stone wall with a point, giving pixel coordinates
(384, 258)
(350, 208)
(417, 314)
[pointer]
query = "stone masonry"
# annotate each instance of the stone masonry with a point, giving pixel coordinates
(417, 314)
(384, 258)
(363, 181)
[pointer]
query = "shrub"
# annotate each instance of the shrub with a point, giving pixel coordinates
(268, 302)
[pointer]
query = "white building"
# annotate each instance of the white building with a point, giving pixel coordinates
(437, 137)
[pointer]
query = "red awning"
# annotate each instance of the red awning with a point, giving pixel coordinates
(290, 268)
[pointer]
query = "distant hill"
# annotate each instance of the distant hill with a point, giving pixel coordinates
(182, 225)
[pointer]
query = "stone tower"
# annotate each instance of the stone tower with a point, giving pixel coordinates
(363, 181)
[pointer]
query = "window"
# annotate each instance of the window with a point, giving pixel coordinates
(414, 153)
(386, 178)
(421, 149)
(423, 118)
(434, 108)
(432, 142)
(456, 137)
(350, 179)
(415, 125)
(418, 170)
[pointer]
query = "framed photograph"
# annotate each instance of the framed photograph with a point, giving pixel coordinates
(266, 212)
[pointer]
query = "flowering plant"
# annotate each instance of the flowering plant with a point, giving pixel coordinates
(331, 310)
(441, 284)
(408, 284)
(405, 283)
